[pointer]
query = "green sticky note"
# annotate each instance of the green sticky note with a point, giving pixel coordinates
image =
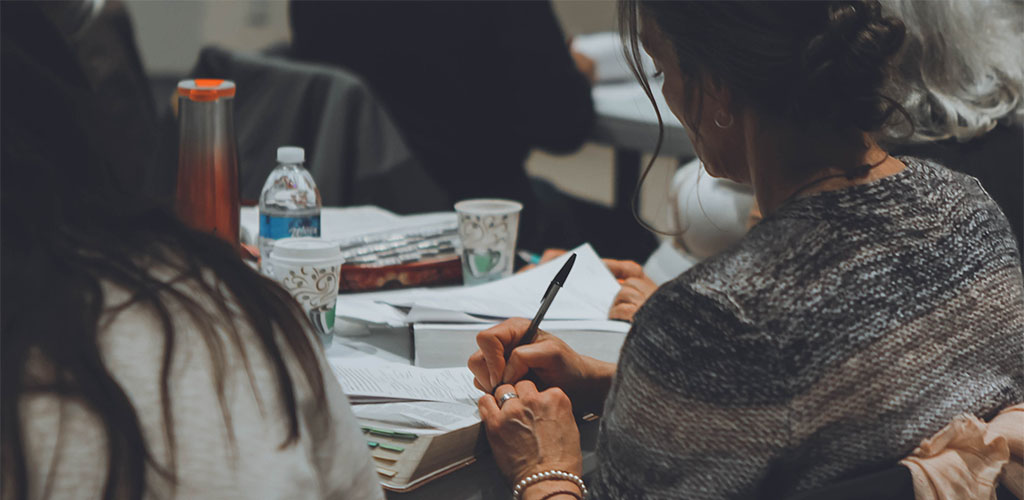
(381, 432)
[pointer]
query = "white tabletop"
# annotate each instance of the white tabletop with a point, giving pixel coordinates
(626, 119)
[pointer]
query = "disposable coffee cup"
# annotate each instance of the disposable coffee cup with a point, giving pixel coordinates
(310, 269)
(488, 229)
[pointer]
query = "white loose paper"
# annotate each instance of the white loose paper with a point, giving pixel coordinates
(587, 295)
(395, 383)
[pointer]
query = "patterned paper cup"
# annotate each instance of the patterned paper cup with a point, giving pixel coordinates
(309, 268)
(488, 229)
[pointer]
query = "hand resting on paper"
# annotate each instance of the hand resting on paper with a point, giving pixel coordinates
(553, 363)
(637, 287)
(533, 433)
(586, 65)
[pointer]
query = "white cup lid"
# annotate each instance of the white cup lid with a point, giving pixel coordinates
(305, 250)
(488, 206)
(291, 154)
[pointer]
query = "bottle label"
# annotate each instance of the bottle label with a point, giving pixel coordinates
(276, 228)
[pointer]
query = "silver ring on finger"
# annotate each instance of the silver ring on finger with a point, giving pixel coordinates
(505, 397)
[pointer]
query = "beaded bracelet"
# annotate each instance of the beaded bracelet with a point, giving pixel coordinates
(551, 475)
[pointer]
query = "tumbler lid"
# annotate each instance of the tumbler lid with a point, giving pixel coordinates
(206, 89)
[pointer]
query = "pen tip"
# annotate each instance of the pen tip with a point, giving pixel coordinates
(564, 272)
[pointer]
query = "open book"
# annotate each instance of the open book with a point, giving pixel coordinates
(419, 423)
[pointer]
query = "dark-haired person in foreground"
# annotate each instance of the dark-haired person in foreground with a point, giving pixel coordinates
(878, 299)
(141, 359)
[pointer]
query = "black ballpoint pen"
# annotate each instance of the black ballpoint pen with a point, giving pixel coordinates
(545, 302)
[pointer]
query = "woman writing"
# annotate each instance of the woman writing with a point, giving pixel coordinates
(879, 297)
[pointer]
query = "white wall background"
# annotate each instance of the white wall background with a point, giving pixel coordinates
(170, 33)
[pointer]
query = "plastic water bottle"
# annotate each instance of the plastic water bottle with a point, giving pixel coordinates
(289, 204)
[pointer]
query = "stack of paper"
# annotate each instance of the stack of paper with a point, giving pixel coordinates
(418, 423)
(334, 222)
(587, 295)
(391, 382)
(446, 321)
(345, 224)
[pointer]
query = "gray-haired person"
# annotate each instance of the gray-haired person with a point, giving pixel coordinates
(960, 76)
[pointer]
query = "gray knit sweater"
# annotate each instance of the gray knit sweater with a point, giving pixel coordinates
(840, 332)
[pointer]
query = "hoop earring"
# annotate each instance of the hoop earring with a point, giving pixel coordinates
(719, 114)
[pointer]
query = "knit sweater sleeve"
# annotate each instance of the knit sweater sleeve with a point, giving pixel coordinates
(699, 405)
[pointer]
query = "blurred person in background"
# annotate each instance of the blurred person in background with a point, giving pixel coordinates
(140, 359)
(960, 75)
(825, 344)
(473, 87)
(102, 41)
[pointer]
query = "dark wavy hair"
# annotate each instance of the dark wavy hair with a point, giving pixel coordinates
(71, 226)
(810, 63)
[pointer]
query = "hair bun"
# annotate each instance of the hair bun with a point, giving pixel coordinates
(845, 65)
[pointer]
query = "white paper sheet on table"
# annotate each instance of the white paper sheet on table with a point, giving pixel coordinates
(372, 307)
(391, 393)
(438, 345)
(587, 295)
(392, 382)
(604, 325)
(369, 311)
(420, 415)
(335, 222)
(425, 314)
(342, 223)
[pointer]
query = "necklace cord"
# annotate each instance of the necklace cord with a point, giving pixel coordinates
(850, 174)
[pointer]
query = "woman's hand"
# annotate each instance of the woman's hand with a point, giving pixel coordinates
(636, 288)
(585, 379)
(586, 65)
(534, 432)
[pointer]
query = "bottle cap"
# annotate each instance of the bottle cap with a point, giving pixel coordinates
(291, 154)
(206, 89)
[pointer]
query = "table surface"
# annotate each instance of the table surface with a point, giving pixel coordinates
(626, 119)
